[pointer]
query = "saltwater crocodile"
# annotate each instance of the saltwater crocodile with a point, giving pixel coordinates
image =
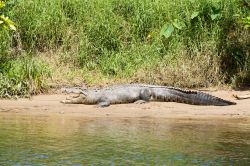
(111, 95)
(141, 93)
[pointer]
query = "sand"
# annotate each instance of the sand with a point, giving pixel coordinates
(48, 105)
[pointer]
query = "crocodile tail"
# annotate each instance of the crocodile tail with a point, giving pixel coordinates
(198, 98)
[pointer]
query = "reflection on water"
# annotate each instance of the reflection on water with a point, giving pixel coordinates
(65, 141)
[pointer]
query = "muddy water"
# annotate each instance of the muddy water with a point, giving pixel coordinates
(33, 140)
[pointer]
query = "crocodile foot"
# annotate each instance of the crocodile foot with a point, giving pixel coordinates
(140, 102)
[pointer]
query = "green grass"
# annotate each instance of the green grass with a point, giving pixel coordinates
(23, 77)
(119, 40)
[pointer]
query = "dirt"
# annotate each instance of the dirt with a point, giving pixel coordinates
(47, 105)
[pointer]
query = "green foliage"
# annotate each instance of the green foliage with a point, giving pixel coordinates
(22, 77)
(120, 38)
(246, 22)
(125, 64)
(207, 12)
(167, 30)
(5, 21)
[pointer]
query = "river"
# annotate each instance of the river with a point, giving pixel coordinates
(60, 140)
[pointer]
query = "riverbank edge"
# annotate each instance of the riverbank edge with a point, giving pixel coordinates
(49, 105)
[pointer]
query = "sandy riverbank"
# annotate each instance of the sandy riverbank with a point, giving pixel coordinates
(47, 105)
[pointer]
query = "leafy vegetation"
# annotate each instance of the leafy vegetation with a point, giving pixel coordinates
(5, 21)
(19, 76)
(246, 22)
(22, 77)
(189, 43)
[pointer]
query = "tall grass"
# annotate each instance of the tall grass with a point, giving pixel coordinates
(121, 39)
(23, 77)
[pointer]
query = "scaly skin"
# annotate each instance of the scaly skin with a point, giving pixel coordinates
(188, 97)
(112, 95)
(141, 93)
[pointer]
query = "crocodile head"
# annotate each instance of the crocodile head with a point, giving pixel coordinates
(79, 99)
(76, 90)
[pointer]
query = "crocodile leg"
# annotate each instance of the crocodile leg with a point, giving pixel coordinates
(104, 104)
(145, 94)
(140, 102)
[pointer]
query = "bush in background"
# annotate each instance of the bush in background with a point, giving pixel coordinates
(186, 43)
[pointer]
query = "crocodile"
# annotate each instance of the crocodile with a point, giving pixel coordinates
(141, 93)
(110, 95)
